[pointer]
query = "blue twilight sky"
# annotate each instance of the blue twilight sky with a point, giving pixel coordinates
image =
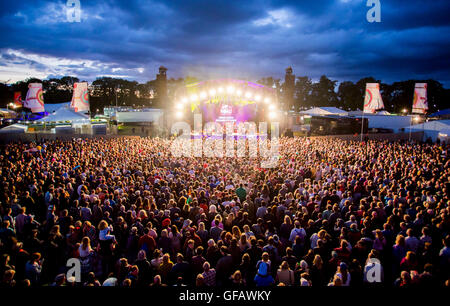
(225, 38)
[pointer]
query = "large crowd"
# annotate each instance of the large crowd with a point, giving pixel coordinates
(330, 213)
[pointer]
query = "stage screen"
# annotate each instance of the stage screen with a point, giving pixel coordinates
(226, 112)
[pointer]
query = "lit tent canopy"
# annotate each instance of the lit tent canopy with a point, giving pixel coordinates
(50, 108)
(323, 111)
(65, 114)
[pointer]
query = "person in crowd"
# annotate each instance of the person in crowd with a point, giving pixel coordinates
(332, 211)
(285, 275)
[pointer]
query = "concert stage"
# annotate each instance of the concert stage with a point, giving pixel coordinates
(226, 100)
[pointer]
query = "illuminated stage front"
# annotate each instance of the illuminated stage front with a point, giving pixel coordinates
(226, 100)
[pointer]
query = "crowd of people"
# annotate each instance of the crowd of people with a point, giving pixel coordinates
(330, 213)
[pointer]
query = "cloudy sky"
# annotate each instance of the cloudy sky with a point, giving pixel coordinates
(225, 38)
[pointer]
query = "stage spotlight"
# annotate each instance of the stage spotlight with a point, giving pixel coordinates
(267, 100)
(179, 106)
(212, 92)
(194, 98)
(258, 98)
(184, 100)
(179, 114)
(220, 90)
(248, 95)
(230, 89)
(203, 95)
(272, 107)
(272, 115)
(239, 92)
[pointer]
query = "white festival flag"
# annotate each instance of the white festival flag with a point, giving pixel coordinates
(35, 98)
(373, 100)
(80, 98)
(420, 103)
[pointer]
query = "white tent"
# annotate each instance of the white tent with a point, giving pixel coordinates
(50, 108)
(14, 129)
(322, 111)
(64, 113)
(431, 129)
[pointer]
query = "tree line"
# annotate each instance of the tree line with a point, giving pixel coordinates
(107, 91)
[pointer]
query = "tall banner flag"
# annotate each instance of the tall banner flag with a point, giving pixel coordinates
(17, 99)
(420, 103)
(373, 100)
(80, 98)
(35, 98)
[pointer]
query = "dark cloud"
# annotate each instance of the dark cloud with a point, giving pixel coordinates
(231, 38)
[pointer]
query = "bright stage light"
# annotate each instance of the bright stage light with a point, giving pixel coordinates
(272, 107)
(203, 95)
(230, 89)
(194, 98)
(184, 100)
(220, 90)
(239, 92)
(179, 115)
(248, 95)
(212, 92)
(179, 106)
(267, 100)
(272, 115)
(258, 98)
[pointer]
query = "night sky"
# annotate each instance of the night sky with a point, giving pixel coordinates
(233, 38)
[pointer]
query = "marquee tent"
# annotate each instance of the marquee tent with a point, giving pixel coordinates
(323, 111)
(64, 113)
(14, 129)
(431, 129)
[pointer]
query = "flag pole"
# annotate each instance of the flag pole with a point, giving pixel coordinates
(362, 125)
(410, 125)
